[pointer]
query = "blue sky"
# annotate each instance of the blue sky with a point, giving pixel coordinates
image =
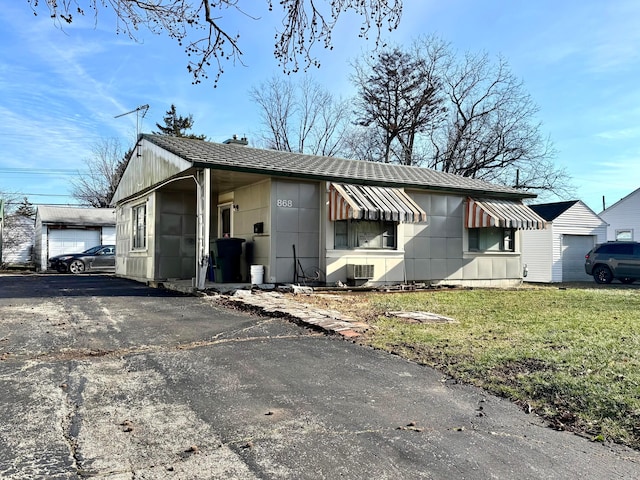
(60, 90)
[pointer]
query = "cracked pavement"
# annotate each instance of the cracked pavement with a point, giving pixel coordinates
(105, 378)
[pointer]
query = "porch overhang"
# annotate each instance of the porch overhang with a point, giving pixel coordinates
(501, 213)
(364, 202)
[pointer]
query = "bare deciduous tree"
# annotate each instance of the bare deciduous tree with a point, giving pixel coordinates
(492, 132)
(197, 25)
(301, 117)
(105, 168)
(400, 94)
(488, 129)
(365, 144)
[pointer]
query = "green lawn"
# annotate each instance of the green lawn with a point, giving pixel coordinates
(571, 355)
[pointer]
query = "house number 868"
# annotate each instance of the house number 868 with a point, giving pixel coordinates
(284, 203)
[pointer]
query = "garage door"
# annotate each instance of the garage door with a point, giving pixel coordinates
(108, 235)
(574, 249)
(72, 241)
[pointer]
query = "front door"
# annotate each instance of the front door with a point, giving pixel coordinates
(224, 220)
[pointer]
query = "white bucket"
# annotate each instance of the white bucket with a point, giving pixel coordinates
(257, 274)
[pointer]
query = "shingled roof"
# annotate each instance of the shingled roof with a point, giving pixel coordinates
(551, 211)
(296, 165)
(54, 215)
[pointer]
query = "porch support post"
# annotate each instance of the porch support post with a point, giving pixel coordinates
(204, 226)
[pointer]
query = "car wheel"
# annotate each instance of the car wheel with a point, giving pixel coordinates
(602, 274)
(76, 267)
(627, 280)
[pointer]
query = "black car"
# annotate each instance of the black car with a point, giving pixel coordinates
(102, 257)
(611, 260)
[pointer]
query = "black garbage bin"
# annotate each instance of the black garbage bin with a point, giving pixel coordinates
(227, 252)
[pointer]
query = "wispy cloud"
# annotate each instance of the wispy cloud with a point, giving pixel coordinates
(622, 134)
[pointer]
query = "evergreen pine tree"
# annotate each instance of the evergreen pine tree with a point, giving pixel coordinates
(176, 125)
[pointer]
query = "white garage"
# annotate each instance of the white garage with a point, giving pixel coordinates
(556, 254)
(70, 230)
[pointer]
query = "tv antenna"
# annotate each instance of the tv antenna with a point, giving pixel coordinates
(139, 116)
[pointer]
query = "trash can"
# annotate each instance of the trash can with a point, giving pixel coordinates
(211, 273)
(227, 252)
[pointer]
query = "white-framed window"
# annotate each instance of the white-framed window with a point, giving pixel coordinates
(139, 213)
(352, 234)
(624, 234)
(491, 239)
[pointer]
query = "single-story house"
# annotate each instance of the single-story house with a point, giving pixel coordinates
(71, 230)
(180, 200)
(556, 254)
(623, 218)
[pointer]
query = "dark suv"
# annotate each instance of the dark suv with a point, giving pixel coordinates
(611, 260)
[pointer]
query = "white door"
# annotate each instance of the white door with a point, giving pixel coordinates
(575, 247)
(71, 241)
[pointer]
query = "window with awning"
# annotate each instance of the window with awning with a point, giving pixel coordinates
(363, 202)
(501, 213)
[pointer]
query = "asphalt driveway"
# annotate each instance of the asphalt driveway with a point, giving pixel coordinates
(105, 378)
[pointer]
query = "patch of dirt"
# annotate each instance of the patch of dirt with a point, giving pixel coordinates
(511, 370)
(420, 317)
(355, 306)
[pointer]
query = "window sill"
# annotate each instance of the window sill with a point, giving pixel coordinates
(486, 253)
(366, 249)
(338, 252)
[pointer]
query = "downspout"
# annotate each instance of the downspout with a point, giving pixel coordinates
(203, 183)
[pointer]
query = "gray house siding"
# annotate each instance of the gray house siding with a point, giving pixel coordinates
(438, 253)
(175, 226)
(296, 222)
(252, 206)
(433, 252)
(133, 263)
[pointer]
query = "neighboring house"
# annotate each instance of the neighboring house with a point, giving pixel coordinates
(623, 218)
(295, 214)
(17, 241)
(61, 230)
(556, 254)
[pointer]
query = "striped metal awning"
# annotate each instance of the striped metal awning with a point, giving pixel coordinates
(501, 213)
(372, 203)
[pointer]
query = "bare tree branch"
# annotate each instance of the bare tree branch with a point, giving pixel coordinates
(400, 93)
(302, 117)
(489, 130)
(194, 25)
(105, 168)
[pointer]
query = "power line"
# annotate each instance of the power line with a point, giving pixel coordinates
(42, 194)
(51, 172)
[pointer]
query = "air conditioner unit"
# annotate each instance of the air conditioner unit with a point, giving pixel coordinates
(357, 273)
